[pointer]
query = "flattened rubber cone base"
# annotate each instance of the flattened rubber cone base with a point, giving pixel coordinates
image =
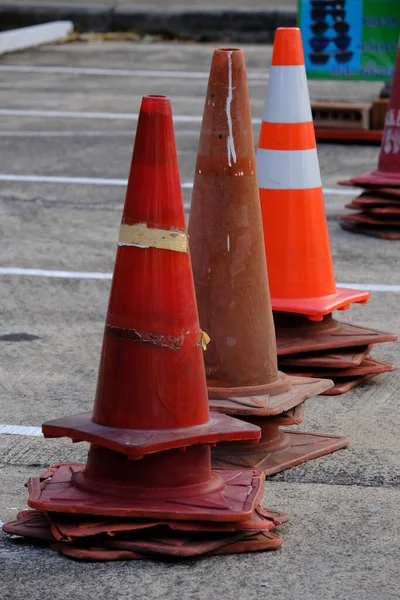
(295, 334)
(256, 542)
(31, 524)
(68, 527)
(231, 497)
(167, 540)
(300, 447)
(266, 405)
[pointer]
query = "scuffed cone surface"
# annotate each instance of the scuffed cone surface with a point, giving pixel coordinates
(225, 235)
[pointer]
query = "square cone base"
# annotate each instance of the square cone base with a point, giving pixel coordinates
(167, 540)
(300, 447)
(300, 336)
(376, 232)
(136, 443)
(279, 449)
(345, 385)
(271, 405)
(369, 366)
(341, 359)
(232, 496)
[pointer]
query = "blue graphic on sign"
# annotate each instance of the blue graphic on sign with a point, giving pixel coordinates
(332, 35)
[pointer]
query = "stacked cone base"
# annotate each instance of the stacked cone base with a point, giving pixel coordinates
(279, 449)
(266, 401)
(295, 334)
(173, 485)
(382, 234)
(346, 384)
(341, 359)
(369, 366)
(89, 538)
(255, 542)
(319, 349)
(380, 216)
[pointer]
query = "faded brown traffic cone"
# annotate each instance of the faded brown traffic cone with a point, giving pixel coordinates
(231, 281)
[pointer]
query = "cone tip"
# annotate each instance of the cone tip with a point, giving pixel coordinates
(156, 103)
(226, 50)
(288, 47)
(222, 56)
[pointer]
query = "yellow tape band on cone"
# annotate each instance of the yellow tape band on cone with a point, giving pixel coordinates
(141, 236)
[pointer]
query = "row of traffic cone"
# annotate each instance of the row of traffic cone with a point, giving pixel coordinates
(165, 475)
(379, 203)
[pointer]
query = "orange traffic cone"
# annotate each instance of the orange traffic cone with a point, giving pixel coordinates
(303, 289)
(231, 281)
(151, 429)
(151, 393)
(301, 276)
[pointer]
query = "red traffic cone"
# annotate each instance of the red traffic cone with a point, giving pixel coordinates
(151, 428)
(388, 171)
(300, 268)
(231, 280)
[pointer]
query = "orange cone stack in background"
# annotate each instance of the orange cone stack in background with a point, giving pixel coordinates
(147, 488)
(380, 203)
(301, 276)
(231, 281)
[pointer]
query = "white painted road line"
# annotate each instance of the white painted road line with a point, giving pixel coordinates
(71, 114)
(96, 71)
(369, 287)
(129, 133)
(20, 430)
(186, 185)
(57, 274)
(73, 180)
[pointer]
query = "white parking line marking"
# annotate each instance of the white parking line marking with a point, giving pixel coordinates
(20, 430)
(369, 287)
(174, 74)
(72, 114)
(73, 180)
(50, 273)
(186, 185)
(10, 133)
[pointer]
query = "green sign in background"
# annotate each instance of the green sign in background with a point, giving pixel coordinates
(350, 39)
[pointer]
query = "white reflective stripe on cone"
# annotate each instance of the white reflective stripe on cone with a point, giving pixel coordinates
(288, 169)
(287, 98)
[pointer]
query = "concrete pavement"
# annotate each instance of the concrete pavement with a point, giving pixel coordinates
(341, 541)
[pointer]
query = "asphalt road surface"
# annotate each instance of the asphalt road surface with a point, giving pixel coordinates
(66, 135)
